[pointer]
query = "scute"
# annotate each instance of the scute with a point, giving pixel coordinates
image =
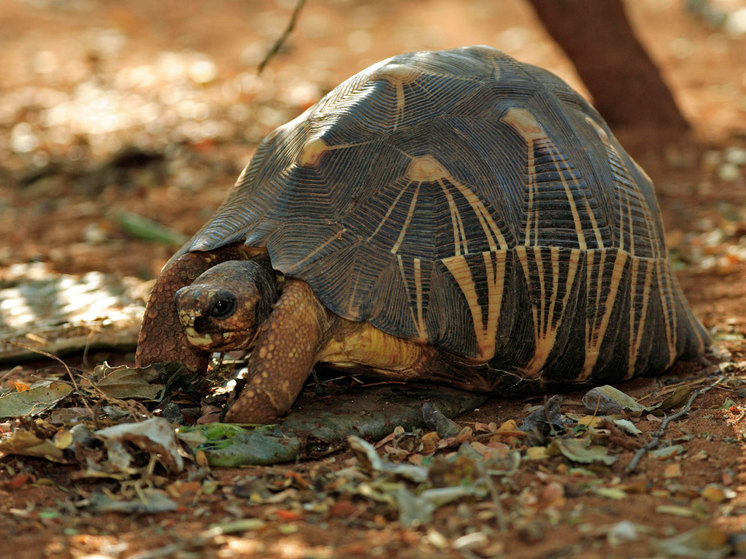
(468, 200)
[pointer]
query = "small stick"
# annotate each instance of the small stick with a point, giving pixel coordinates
(499, 513)
(662, 429)
(281, 40)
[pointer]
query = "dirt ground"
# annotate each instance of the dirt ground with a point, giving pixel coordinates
(154, 107)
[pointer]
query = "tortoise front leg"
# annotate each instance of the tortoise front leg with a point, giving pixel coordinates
(285, 352)
(161, 337)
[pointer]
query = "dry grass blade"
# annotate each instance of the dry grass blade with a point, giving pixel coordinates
(502, 523)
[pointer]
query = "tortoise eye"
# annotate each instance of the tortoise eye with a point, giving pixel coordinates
(223, 306)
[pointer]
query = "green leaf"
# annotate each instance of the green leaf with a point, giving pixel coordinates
(146, 229)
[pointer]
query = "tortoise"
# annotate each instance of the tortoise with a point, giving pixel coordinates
(451, 216)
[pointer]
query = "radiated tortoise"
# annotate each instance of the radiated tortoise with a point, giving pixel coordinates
(453, 216)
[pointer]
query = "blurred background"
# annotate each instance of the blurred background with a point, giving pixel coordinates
(115, 110)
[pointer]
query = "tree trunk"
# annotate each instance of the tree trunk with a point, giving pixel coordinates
(626, 86)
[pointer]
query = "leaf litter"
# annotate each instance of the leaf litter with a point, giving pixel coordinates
(408, 472)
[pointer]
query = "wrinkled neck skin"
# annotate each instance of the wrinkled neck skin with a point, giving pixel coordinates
(161, 338)
(225, 306)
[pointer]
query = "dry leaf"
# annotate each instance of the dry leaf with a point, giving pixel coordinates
(155, 435)
(591, 420)
(717, 494)
(37, 399)
(537, 453)
(27, 443)
(581, 450)
(430, 442)
(607, 400)
(510, 425)
(667, 452)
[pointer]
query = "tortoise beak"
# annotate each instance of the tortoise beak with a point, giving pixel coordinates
(190, 302)
(197, 306)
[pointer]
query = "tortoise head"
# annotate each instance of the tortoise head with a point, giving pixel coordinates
(223, 308)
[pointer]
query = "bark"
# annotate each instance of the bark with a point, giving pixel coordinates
(626, 86)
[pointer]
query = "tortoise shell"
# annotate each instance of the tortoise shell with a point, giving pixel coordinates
(466, 200)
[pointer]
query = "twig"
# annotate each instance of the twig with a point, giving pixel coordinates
(499, 514)
(662, 429)
(281, 40)
(671, 388)
(134, 408)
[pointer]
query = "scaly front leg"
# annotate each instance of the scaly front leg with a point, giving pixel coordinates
(283, 356)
